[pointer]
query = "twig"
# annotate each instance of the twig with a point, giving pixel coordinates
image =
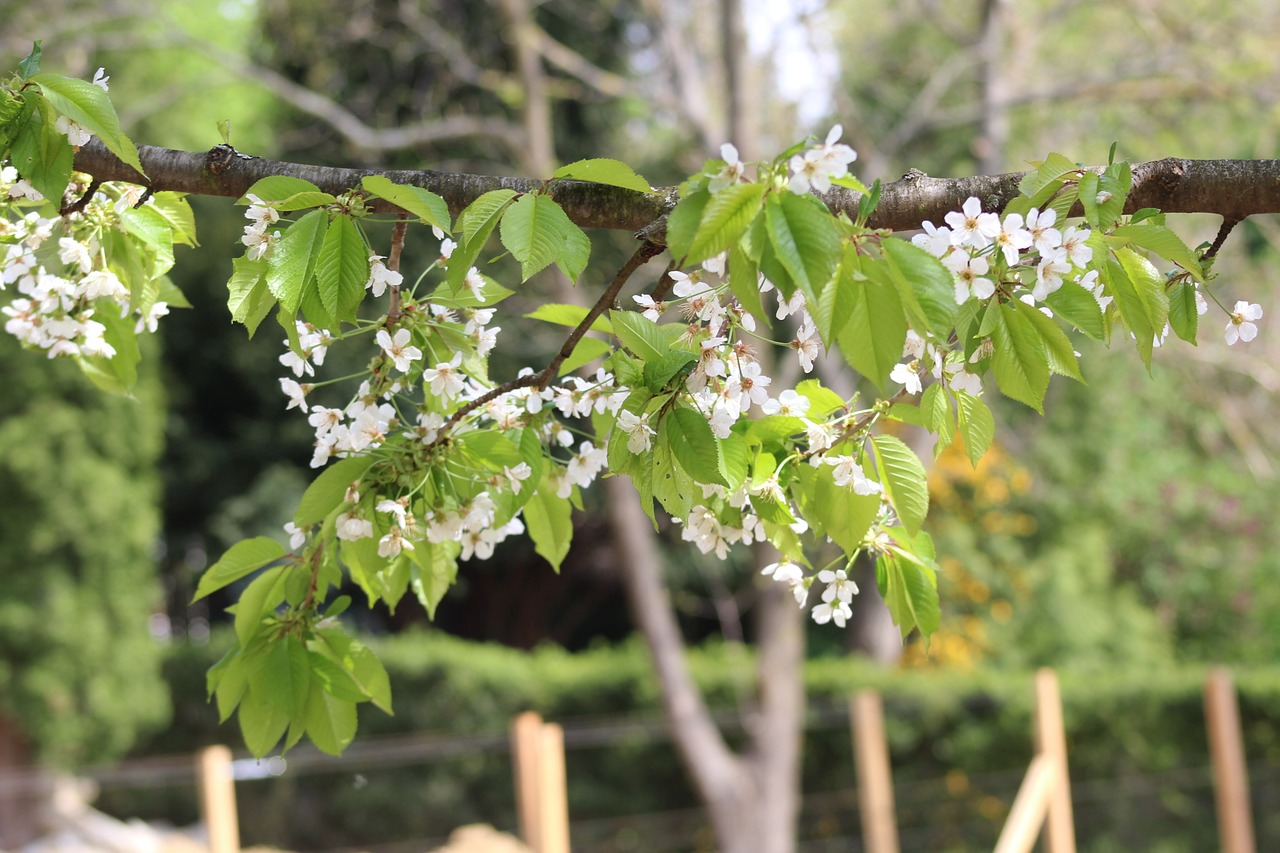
(639, 259)
(540, 379)
(82, 202)
(665, 283)
(1228, 223)
(393, 264)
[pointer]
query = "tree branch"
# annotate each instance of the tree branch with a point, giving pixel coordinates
(1233, 189)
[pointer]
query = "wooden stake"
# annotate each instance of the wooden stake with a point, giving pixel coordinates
(217, 787)
(553, 799)
(1029, 807)
(526, 737)
(1051, 742)
(1230, 776)
(875, 780)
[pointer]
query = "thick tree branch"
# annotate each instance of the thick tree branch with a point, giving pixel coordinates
(1233, 189)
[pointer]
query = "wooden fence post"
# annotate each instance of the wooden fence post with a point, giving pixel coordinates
(1230, 776)
(552, 794)
(217, 787)
(875, 780)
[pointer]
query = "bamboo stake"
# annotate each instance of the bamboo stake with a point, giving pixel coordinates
(1029, 807)
(525, 748)
(875, 780)
(1230, 776)
(553, 799)
(217, 788)
(1051, 742)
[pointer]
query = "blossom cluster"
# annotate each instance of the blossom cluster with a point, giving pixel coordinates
(60, 267)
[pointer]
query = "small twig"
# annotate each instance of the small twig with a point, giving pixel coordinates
(315, 577)
(1228, 223)
(639, 259)
(393, 264)
(82, 202)
(539, 380)
(665, 283)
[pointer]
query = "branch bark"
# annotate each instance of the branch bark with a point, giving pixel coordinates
(1233, 189)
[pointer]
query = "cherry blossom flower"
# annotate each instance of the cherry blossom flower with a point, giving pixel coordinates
(789, 404)
(639, 433)
(297, 393)
(848, 474)
(1013, 238)
(392, 544)
(652, 309)
(907, 375)
(731, 173)
(398, 349)
(1241, 327)
(101, 79)
(352, 527)
(936, 241)
(970, 275)
(971, 227)
(380, 276)
(445, 379)
(296, 537)
(1044, 236)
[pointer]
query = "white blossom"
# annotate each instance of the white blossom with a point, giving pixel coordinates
(1241, 327)
(636, 427)
(398, 349)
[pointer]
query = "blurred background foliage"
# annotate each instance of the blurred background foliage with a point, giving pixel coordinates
(1128, 529)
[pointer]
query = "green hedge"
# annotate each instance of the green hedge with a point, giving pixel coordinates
(959, 744)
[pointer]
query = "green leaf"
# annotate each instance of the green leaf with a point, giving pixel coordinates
(39, 152)
(335, 680)
(822, 400)
(1132, 310)
(275, 188)
(362, 664)
(1048, 172)
(330, 721)
(976, 425)
(1057, 346)
(1077, 306)
(836, 511)
(424, 204)
(639, 335)
(724, 219)
(875, 331)
(683, 222)
(929, 281)
(667, 481)
(288, 672)
(744, 283)
(911, 593)
(259, 598)
(569, 315)
(1112, 187)
(601, 170)
(534, 230)
(734, 460)
(342, 269)
(291, 265)
(550, 522)
(326, 492)
(1148, 284)
(904, 478)
(694, 445)
(936, 408)
(1021, 363)
(575, 253)
(241, 559)
(659, 372)
(477, 223)
(30, 64)
(175, 210)
(248, 297)
(805, 239)
(263, 719)
(432, 572)
(88, 106)
(304, 200)
(1184, 318)
(1162, 241)
(585, 351)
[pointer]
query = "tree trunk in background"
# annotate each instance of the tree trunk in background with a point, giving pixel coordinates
(20, 790)
(993, 134)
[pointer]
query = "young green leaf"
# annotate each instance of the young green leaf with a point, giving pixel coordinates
(241, 559)
(976, 425)
(683, 222)
(534, 230)
(873, 335)
(88, 106)
(1163, 242)
(601, 170)
(805, 239)
(904, 478)
(326, 492)
(424, 204)
(694, 446)
(291, 266)
(342, 269)
(1184, 318)
(568, 315)
(1021, 363)
(724, 219)
(330, 721)
(262, 596)
(639, 335)
(550, 523)
(275, 188)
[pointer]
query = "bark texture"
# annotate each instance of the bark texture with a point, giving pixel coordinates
(1233, 189)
